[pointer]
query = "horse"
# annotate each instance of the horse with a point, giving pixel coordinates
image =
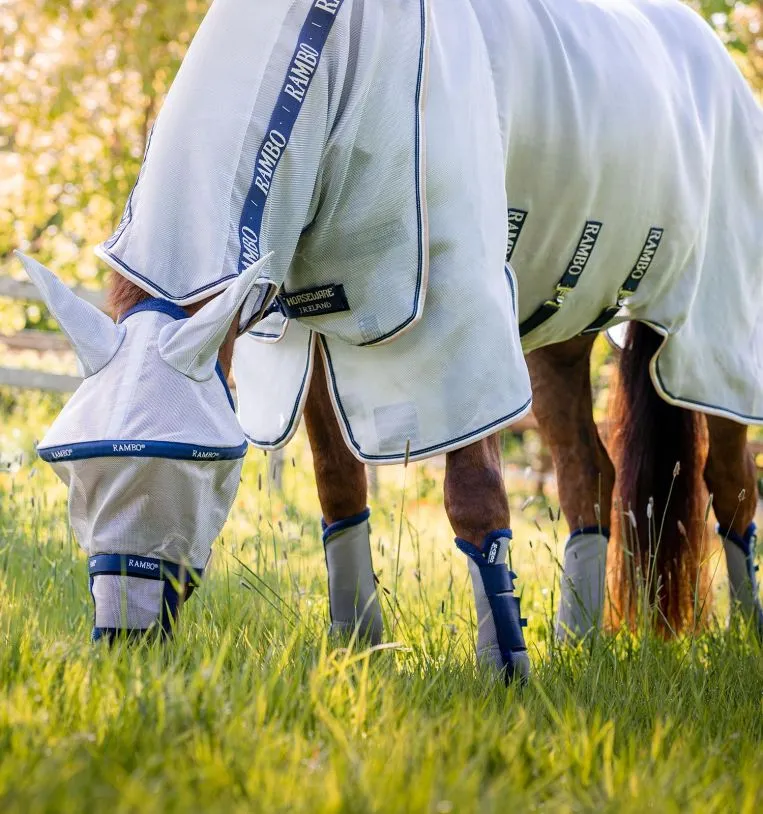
(387, 218)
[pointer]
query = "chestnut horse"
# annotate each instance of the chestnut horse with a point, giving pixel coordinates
(369, 164)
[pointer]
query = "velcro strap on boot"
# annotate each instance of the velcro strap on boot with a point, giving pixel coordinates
(498, 582)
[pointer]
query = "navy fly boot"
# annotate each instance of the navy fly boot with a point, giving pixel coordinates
(500, 640)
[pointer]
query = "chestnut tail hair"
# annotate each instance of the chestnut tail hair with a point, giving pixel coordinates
(660, 508)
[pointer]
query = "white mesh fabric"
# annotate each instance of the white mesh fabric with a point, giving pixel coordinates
(459, 373)
(156, 507)
(567, 160)
(127, 603)
(132, 504)
(270, 414)
(139, 396)
(349, 169)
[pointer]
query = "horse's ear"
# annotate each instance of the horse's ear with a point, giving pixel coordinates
(92, 334)
(191, 345)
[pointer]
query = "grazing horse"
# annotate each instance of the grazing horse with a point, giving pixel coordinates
(335, 183)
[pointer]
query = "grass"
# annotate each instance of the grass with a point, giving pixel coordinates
(252, 709)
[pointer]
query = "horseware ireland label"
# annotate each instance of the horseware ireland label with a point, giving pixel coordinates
(314, 302)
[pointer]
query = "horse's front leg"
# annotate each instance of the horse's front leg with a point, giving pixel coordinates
(343, 494)
(731, 476)
(562, 403)
(478, 510)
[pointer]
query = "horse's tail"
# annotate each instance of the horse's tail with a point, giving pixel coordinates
(660, 451)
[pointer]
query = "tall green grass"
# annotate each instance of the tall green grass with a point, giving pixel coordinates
(251, 708)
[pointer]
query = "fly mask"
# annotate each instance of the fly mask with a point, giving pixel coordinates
(149, 446)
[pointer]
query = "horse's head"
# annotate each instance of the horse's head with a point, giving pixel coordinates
(149, 445)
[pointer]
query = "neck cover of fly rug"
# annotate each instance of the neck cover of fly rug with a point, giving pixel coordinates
(376, 149)
(341, 135)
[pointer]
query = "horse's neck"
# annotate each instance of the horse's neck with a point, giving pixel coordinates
(123, 295)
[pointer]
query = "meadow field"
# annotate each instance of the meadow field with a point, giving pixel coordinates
(251, 708)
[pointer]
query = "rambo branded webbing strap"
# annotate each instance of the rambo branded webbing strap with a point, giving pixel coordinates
(517, 219)
(179, 583)
(569, 280)
(631, 284)
(311, 42)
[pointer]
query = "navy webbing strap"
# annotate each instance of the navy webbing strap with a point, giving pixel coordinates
(569, 280)
(745, 542)
(124, 565)
(632, 282)
(173, 575)
(498, 582)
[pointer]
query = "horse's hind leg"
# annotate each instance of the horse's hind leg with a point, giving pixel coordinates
(343, 494)
(562, 402)
(478, 510)
(730, 475)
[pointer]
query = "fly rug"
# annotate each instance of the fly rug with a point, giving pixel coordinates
(335, 183)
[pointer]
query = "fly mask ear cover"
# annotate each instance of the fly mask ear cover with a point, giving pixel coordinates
(150, 448)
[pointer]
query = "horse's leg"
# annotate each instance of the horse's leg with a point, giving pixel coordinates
(478, 510)
(343, 494)
(562, 402)
(731, 477)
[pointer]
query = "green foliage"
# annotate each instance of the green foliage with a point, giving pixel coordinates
(81, 83)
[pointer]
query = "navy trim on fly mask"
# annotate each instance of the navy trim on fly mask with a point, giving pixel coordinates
(133, 565)
(140, 449)
(126, 565)
(172, 309)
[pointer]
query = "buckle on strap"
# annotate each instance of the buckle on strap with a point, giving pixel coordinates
(130, 565)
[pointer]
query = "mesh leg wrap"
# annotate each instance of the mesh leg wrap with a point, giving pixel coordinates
(134, 595)
(353, 600)
(500, 640)
(743, 573)
(583, 583)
